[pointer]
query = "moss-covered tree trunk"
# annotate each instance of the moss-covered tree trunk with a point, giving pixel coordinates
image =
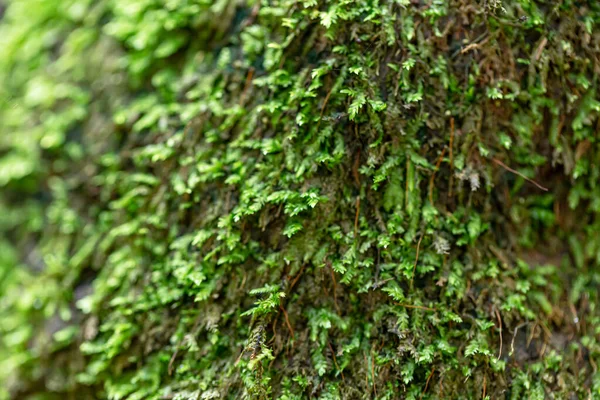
(379, 199)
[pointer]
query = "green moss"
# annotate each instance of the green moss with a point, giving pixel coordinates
(299, 199)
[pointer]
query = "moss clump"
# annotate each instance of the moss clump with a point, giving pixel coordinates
(299, 199)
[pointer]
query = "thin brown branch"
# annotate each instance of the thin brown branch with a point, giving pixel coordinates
(237, 361)
(287, 320)
(356, 218)
(500, 328)
(296, 278)
(531, 334)
(512, 343)
(499, 255)
(366, 375)
(506, 167)
(275, 328)
(335, 361)
(355, 167)
(406, 195)
(247, 84)
(427, 383)
(540, 48)
(337, 307)
(431, 180)
(416, 261)
(475, 44)
(451, 156)
(323, 108)
(325, 103)
(172, 360)
(484, 387)
(373, 374)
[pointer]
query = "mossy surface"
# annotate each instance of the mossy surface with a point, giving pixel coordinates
(299, 199)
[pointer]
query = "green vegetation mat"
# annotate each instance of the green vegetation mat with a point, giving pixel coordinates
(379, 199)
